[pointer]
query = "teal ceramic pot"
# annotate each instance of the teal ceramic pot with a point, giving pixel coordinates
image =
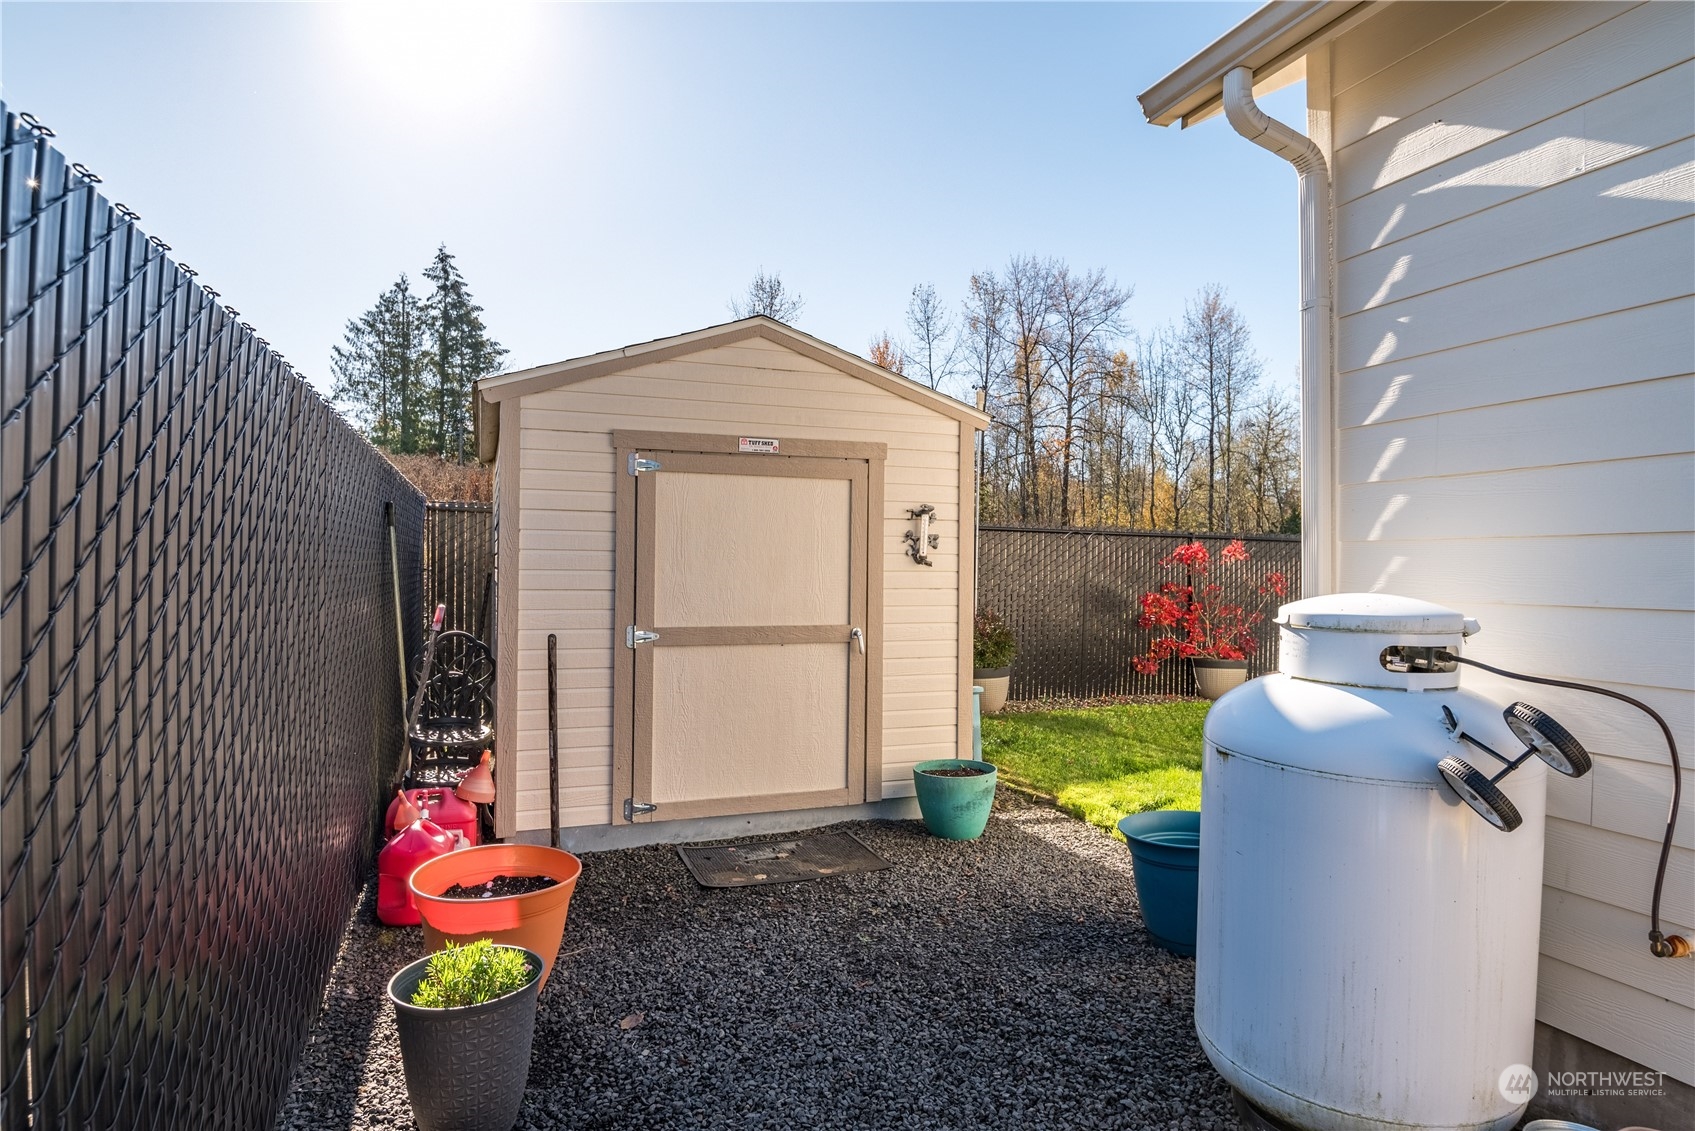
(1165, 850)
(954, 808)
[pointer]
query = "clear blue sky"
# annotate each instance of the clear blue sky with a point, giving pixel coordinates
(607, 174)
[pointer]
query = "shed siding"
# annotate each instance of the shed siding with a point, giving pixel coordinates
(565, 548)
(1515, 261)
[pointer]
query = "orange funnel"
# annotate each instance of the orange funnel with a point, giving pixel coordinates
(477, 786)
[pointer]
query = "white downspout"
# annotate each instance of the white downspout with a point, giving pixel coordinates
(1318, 416)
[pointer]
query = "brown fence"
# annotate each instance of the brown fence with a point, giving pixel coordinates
(199, 688)
(1072, 598)
(459, 563)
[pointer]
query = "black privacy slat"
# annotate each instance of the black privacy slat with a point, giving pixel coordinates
(1072, 598)
(198, 701)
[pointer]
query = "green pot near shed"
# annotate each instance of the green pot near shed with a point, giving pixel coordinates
(955, 796)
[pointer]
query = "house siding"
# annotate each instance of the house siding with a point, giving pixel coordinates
(565, 548)
(1515, 334)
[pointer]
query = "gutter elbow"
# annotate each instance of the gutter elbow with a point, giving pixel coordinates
(1240, 109)
(1253, 123)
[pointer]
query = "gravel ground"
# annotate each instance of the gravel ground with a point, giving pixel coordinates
(1001, 983)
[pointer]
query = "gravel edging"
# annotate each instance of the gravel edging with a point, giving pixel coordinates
(1063, 703)
(1005, 982)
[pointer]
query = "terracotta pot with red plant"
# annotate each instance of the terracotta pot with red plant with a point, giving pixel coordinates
(1192, 620)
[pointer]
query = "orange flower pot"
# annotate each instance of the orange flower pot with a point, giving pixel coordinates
(535, 920)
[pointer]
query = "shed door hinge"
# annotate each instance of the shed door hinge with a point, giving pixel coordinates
(634, 636)
(637, 464)
(633, 807)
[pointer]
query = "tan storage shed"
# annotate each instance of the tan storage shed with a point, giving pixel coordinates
(715, 528)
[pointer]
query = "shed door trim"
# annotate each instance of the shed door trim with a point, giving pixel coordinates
(865, 712)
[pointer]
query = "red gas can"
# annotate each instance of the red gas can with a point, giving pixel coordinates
(441, 806)
(420, 841)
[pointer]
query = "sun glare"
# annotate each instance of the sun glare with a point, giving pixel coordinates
(467, 54)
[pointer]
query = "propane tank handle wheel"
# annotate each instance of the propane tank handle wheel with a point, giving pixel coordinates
(1549, 740)
(1477, 791)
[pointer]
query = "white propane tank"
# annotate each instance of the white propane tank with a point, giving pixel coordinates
(1366, 945)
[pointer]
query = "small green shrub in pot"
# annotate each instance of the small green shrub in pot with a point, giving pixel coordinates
(466, 1019)
(471, 974)
(992, 650)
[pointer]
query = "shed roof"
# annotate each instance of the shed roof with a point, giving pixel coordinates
(505, 386)
(1273, 42)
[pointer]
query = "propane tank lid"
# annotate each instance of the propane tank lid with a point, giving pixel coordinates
(1374, 612)
(1362, 640)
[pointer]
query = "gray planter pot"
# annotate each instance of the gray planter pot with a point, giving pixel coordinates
(1214, 678)
(465, 1067)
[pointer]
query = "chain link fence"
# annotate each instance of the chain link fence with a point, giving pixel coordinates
(1072, 597)
(459, 564)
(200, 700)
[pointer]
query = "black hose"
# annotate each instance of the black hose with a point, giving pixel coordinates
(1656, 938)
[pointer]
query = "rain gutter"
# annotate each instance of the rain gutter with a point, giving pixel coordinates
(1318, 413)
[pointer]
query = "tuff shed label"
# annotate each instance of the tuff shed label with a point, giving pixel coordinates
(758, 446)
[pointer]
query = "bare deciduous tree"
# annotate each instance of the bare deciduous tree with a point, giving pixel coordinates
(1271, 462)
(1086, 317)
(934, 350)
(767, 295)
(1219, 361)
(1090, 428)
(1169, 407)
(980, 341)
(1109, 448)
(1023, 386)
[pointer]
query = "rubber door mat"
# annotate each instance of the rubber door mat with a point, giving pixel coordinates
(779, 861)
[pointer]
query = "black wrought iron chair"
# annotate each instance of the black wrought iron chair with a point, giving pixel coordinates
(452, 717)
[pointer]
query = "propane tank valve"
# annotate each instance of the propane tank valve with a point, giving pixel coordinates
(1418, 660)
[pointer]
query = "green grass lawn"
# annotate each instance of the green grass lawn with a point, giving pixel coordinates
(1100, 763)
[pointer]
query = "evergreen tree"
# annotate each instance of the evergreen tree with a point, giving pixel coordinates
(380, 372)
(459, 350)
(404, 370)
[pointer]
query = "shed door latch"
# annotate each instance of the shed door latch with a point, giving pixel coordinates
(634, 636)
(633, 807)
(637, 464)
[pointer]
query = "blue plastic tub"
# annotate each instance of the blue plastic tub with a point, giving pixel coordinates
(1165, 850)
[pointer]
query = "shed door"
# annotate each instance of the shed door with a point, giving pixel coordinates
(751, 572)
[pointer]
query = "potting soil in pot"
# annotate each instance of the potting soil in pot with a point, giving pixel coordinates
(961, 772)
(500, 885)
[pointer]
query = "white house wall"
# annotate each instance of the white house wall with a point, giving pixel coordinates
(565, 540)
(1515, 256)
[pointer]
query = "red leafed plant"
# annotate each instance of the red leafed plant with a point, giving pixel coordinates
(1192, 617)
